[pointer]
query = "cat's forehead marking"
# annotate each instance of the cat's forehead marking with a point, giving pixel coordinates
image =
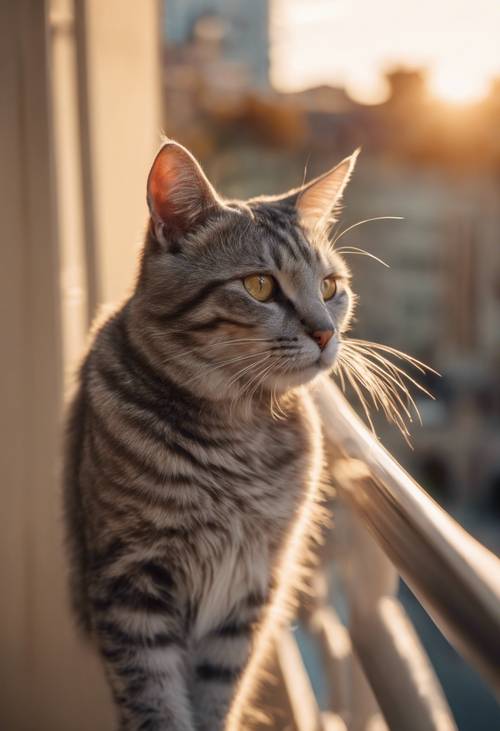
(284, 239)
(288, 247)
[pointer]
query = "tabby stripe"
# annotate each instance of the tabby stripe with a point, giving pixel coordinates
(109, 630)
(143, 709)
(136, 460)
(153, 409)
(276, 255)
(116, 385)
(158, 574)
(113, 655)
(216, 322)
(156, 497)
(284, 236)
(234, 629)
(209, 672)
(283, 240)
(256, 600)
(136, 680)
(165, 393)
(304, 246)
(124, 594)
(204, 441)
(126, 394)
(291, 234)
(134, 361)
(190, 304)
(157, 430)
(287, 458)
(140, 495)
(174, 447)
(111, 554)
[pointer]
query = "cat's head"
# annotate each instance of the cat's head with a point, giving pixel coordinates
(241, 298)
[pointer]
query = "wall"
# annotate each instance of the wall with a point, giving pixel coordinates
(75, 145)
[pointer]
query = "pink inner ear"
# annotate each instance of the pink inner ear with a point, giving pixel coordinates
(178, 191)
(163, 179)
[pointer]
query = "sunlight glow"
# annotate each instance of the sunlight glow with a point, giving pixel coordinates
(352, 44)
(454, 86)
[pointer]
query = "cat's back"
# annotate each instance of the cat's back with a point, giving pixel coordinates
(76, 427)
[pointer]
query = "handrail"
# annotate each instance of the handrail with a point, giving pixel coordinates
(381, 634)
(455, 577)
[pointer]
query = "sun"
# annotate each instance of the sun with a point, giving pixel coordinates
(458, 86)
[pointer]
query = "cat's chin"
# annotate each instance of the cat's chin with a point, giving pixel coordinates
(283, 382)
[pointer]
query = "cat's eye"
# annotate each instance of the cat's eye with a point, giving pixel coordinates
(260, 286)
(329, 288)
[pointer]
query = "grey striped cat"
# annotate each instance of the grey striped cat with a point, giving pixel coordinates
(193, 454)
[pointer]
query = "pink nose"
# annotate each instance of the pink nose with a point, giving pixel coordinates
(322, 337)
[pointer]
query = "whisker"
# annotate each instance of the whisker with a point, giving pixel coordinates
(366, 366)
(387, 396)
(349, 373)
(347, 250)
(338, 370)
(236, 341)
(258, 380)
(247, 368)
(404, 374)
(397, 354)
(396, 374)
(277, 414)
(361, 223)
(220, 364)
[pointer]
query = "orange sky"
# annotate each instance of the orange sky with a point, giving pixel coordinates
(350, 42)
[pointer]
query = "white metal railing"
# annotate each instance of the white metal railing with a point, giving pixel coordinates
(377, 673)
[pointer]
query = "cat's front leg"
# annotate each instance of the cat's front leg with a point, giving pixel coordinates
(151, 698)
(219, 660)
(140, 626)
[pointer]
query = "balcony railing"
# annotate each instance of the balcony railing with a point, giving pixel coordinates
(377, 674)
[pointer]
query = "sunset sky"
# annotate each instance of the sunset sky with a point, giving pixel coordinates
(351, 42)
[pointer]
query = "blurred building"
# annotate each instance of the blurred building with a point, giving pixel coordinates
(239, 30)
(436, 166)
(438, 302)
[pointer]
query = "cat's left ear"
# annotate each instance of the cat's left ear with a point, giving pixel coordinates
(317, 200)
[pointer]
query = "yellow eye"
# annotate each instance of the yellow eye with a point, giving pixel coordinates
(260, 286)
(328, 288)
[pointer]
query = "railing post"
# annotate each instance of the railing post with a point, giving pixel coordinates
(286, 702)
(383, 639)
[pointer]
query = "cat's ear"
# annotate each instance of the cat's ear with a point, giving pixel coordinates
(317, 200)
(179, 194)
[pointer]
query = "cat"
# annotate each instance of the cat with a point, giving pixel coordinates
(193, 454)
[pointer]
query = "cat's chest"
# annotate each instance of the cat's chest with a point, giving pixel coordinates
(267, 465)
(265, 500)
(240, 569)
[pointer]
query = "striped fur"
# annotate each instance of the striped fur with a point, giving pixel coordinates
(193, 453)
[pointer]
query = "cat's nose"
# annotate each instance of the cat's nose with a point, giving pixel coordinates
(322, 337)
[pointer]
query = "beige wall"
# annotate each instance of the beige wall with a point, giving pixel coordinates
(49, 680)
(125, 127)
